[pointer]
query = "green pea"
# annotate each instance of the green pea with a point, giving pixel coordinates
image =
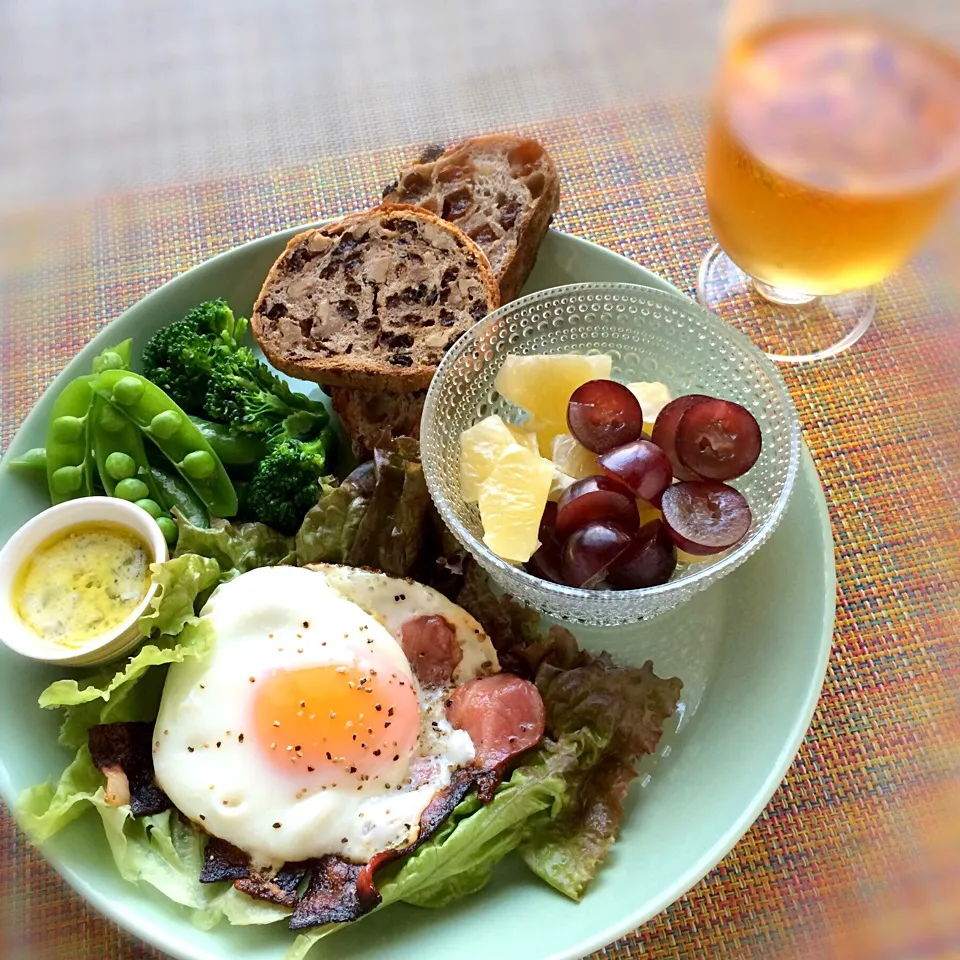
(120, 466)
(152, 507)
(128, 391)
(109, 360)
(166, 425)
(67, 429)
(169, 529)
(198, 465)
(131, 489)
(111, 419)
(67, 480)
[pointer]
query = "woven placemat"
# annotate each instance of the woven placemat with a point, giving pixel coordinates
(856, 856)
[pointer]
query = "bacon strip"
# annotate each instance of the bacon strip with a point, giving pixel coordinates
(340, 891)
(125, 750)
(333, 895)
(503, 714)
(280, 889)
(431, 646)
(223, 861)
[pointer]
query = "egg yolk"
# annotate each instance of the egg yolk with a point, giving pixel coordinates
(336, 721)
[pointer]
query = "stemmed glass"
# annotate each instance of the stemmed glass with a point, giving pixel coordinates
(834, 143)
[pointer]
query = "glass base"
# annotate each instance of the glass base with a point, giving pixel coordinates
(789, 326)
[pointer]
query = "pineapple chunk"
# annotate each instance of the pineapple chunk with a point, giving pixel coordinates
(653, 397)
(542, 383)
(648, 512)
(560, 483)
(526, 438)
(511, 502)
(573, 458)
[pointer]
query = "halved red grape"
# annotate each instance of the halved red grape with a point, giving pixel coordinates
(593, 499)
(602, 414)
(545, 563)
(649, 560)
(665, 431)
(548, 522)
(718, 439)
(589, 552)
(704, 516)
(641, 466)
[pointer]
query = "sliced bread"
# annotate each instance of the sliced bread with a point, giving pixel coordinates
(373, 418)
(373, 300)
(501, 190)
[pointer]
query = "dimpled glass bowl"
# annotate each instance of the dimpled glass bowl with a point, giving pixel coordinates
(651, 335)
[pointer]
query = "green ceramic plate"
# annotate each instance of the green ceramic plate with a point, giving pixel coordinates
(752, 652)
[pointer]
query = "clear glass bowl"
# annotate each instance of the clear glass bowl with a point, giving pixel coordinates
(651, 335)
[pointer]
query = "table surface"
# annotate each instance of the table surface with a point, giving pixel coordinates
(148, 149)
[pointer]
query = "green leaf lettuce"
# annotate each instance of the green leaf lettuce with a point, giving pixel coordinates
(330, 528)
(375, 518)
(236, 547)
(180, 582)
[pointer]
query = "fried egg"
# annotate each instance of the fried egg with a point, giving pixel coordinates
(305, 730)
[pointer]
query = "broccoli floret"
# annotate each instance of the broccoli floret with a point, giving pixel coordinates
(244, 393)
(215, 319)
(180, 358)
(287, 482)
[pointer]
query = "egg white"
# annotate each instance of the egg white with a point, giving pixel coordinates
(277, 618)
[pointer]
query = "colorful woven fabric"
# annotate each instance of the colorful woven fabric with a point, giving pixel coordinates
(855, 852)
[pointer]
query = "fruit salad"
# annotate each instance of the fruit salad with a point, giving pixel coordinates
(606, 484)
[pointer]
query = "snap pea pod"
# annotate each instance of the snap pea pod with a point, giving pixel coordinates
(234, 450)
(69, 459)
(178, 438)
(32, 461)
(174, 492)
(120, 455)
(114, 358)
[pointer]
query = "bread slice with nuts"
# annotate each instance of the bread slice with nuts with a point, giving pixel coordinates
(374, 418)
(501, 190)
(374, 300)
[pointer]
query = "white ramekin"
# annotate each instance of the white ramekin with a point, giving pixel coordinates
(110, 645)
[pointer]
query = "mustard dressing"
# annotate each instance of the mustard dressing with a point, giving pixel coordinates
(82, 582)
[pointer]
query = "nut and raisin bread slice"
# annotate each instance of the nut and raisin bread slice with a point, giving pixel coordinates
(501, 190)
(374, 300)
(373, 418)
